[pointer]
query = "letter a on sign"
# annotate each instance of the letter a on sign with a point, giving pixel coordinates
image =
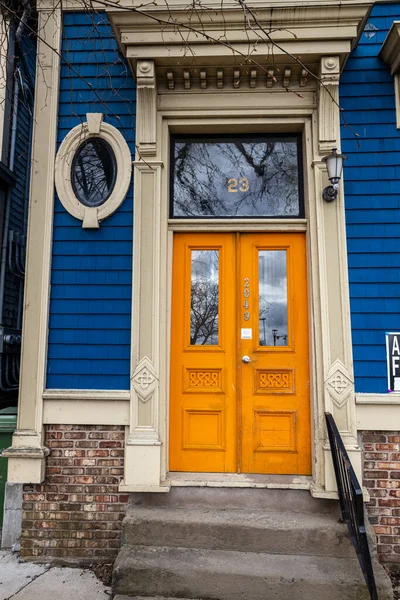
(393, 361)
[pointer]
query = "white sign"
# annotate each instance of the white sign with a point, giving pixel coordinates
(247, 334)
(393, 361)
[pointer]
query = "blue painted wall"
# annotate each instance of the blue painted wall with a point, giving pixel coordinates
(372, 194)
(90, 310)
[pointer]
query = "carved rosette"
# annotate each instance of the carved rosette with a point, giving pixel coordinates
(328, 104)
(144, 379)
(339, 383)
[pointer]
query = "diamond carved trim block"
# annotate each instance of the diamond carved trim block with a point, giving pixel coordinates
(339, 383)
(144, 379)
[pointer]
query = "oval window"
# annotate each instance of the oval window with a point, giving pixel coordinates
(93, 172)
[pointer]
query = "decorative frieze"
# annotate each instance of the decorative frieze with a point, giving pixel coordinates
(176, 78)
(303, 78)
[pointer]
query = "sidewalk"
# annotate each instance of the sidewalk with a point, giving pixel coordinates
(30, 581)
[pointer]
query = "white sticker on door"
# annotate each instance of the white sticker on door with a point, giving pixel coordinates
(247, 334)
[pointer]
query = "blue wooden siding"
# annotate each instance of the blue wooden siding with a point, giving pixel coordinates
(90, 309)
(372, 194)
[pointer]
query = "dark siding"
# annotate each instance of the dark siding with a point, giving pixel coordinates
(25, 76)
(372, 193)
(90, 310)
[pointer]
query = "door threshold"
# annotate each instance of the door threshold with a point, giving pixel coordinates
(239, 480)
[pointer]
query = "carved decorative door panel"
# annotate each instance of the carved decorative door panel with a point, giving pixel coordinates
(239, 398)
(275, 402)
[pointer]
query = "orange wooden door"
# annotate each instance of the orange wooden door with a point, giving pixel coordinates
(239, 297)
(275, 413)
(203, 354)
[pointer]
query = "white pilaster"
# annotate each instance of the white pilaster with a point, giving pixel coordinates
(143, 447)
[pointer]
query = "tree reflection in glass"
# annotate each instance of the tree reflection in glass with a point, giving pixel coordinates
(273, 305)
(93, 172)
(204, 298)
(236, 177)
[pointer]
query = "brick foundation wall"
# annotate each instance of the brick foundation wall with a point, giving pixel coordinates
(77, 511)
(382, 479)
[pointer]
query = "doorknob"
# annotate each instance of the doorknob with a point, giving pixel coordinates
(246, 359)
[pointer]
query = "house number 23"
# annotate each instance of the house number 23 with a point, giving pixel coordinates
(246, 294)
(238, 185)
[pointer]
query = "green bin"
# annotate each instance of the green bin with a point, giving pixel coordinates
(8, 424)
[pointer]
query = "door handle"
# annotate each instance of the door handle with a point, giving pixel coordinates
(246, 359)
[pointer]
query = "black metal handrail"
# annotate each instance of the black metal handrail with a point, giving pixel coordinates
(351, 503)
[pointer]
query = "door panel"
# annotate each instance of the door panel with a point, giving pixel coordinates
(227, 415)
(203, 354)
(275, 384)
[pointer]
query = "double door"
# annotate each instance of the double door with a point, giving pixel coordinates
(239, 395)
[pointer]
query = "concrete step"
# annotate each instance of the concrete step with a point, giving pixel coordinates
(237, 529)
(223, 575)
(271, 500)
(146, 598)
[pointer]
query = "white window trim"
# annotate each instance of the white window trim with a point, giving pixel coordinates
(93, 127)
(390, 54)
(397, 93)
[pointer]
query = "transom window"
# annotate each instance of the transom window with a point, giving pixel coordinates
(236, 176)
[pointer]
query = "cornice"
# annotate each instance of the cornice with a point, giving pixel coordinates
(176, 5)
(297, 32)
(390, 51)
(306, 31)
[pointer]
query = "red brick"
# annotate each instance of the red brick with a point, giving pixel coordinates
(84, 462)
(376, 456)
(59, 444)
(84, 479)
(392, 502)
(99, 435)
(376, 474)
(53, 470)
(390, 521)
(384, 530)
(98, 453)
(77, 512)
(387, 484)
(75, 453)
(75, 435)
(71, 489)
(110, 444)
(86, 444)
(394, 438)
(374, 438)
(119, 453)
(389, 465)
(390, 539)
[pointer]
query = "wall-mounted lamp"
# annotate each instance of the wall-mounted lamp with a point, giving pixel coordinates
(334, 165)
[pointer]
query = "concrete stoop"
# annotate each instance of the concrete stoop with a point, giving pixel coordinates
(238, 544)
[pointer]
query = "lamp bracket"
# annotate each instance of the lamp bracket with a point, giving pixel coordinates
(330, 193)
